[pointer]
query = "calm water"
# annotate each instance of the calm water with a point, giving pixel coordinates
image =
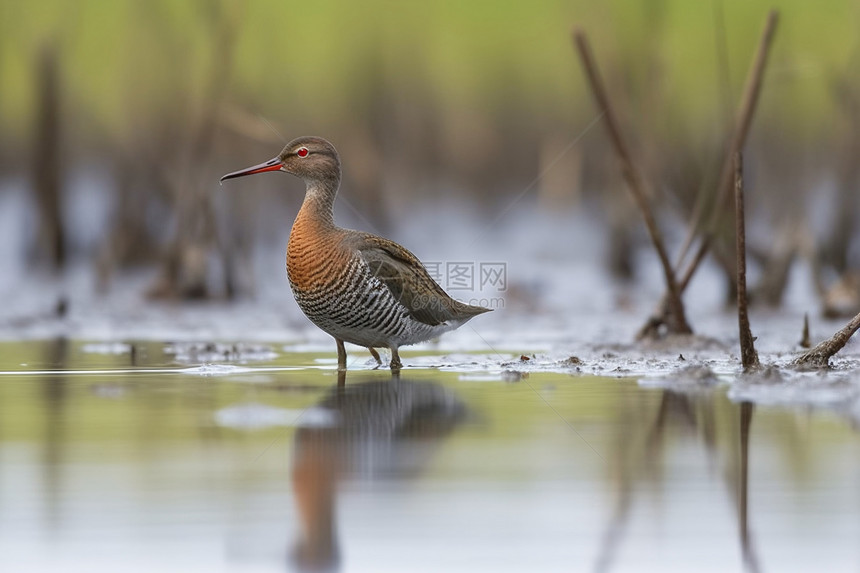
(165, 459)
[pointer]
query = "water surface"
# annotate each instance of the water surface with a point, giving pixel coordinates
(148, 456)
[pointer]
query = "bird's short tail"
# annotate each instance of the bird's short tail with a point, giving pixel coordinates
(467, 311)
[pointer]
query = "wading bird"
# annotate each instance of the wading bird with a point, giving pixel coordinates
(358, 287)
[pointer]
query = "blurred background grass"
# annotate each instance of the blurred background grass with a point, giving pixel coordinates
(320, 62)
(468, 100)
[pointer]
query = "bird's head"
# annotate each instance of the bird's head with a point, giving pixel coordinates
(310, 158)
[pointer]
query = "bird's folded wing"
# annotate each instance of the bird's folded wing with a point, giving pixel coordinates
(409, 281)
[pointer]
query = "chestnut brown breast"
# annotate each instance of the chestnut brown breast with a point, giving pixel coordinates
(316, 256)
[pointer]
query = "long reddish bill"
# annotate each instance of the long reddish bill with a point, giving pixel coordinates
(270, 165)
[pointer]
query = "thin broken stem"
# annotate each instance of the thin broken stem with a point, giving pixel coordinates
(749, 101)
(749, 357)
(635, 181)
(804, 337)
(821, 353)
(47, 165)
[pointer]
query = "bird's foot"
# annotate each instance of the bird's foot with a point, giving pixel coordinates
(395, 360)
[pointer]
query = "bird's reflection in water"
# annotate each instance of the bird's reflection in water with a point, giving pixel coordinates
(723, 430)
(364, 430)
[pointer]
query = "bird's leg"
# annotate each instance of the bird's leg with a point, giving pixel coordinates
(395, 359)
(341, 354)
(375, 355)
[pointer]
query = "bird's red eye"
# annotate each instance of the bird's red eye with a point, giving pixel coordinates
(302, 152)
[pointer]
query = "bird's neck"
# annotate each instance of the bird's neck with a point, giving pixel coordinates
(313, 235)
(319, 201)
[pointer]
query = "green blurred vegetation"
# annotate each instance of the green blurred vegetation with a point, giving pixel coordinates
(318, 61)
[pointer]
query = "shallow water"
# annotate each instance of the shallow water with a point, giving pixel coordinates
(148, 456)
